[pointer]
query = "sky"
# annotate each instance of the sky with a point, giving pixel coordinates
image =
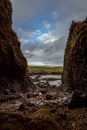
(42, 27)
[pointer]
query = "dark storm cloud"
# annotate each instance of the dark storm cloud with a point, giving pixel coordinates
(24, 10)
(28, 9)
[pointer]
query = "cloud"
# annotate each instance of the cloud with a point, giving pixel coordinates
(38, 14)
(47, 38)
(41, 25)
(51, 53)
(24, 10)
(24, 35)
(46, 24)
(28, 9)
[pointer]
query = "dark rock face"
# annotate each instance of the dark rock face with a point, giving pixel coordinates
(42, 124)
(75, 100)
(5, 13)
(75, 58)
(75, 65)
(13, 75)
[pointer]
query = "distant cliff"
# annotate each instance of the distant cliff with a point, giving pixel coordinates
(13, 66)
(75, 58)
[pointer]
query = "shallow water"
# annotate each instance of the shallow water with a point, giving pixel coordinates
(48, 76)
(55, 83)
(52, 79)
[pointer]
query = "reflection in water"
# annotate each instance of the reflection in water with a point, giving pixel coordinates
(48, 76)
(53, 80)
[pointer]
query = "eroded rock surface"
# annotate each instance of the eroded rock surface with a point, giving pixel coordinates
(13, 66)
(75, 65)
(75, 58)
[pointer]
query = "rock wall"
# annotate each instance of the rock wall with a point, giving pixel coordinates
(5, 13)
(13, 66)
(75, 58)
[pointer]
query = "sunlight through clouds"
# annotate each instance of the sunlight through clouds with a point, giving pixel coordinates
(42, 26)
(47, 38)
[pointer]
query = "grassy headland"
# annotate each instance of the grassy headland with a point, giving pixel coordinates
(43, 69)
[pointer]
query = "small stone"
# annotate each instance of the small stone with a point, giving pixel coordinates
(30, 104)
(49, 97)
(43, 91)
(32, 94)
(22, 107)
(40, 94)
(43, 84)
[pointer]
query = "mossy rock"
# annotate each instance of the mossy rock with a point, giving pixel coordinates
(75, 58)
(42, 119)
